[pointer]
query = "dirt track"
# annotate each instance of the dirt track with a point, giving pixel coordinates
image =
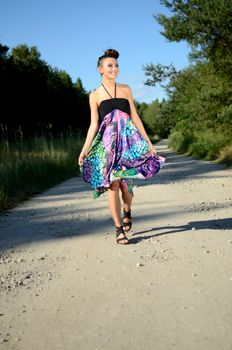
(66, 285)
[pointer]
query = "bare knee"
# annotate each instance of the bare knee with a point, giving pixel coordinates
(114, 186)
(125, 191)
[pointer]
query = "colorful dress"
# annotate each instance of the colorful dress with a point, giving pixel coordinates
(118, 151)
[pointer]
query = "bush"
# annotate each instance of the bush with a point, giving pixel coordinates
(208, 144)
(180, 140)
(225, 155)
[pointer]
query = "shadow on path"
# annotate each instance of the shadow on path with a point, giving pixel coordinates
(179, 167)
(218, 224)
(69, 209)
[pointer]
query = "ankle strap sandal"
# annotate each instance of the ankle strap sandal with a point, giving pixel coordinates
(126, 215)
(120, 231)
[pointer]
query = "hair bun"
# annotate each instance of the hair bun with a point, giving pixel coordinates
(112, 53)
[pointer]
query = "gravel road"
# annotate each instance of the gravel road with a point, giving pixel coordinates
(66, 285)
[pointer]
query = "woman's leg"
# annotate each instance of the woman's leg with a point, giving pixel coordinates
(126, 186)
(115, 205)
(127, 199)
(114, 202)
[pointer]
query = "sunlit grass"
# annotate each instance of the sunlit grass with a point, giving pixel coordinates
(225, 155)
(207, 144)
(29, 167)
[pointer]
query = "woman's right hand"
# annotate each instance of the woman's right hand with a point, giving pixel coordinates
(82, 155)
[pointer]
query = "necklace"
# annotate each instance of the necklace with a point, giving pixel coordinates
(108, 92)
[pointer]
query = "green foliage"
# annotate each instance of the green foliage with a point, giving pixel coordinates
(199, 105)
(181, 137)
(30, 166)
(203, 118)
(37, 98)
(140, 108)
(225, 115)
(208, 145)
(158, 73)
(151, 115)
(225, 155)
(3, 52)
(157, 119)
(204, 24)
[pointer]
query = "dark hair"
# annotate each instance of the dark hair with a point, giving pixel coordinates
(108, 53)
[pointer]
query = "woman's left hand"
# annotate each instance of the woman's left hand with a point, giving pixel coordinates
(152, 149)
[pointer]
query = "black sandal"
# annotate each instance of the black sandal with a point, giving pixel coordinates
(119, 231)
(127, 215)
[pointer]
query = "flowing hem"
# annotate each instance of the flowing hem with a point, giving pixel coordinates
(125, 185)
(118, 152)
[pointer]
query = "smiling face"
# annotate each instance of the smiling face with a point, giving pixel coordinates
(109, 68)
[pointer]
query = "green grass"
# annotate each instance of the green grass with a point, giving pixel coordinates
(225, 155)
(206, 144)
(29, 167)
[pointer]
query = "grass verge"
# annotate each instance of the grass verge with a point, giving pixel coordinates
(208, 145)
(29, 167)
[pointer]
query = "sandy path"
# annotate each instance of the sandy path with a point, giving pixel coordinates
(66, 284)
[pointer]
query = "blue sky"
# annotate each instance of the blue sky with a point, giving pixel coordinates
(71, 34)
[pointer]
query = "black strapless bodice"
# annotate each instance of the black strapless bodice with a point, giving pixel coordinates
(107, 106)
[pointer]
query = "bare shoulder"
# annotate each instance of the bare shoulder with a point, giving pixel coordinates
(93, 98)
(94, 94)
(123, 86)
(125, 90)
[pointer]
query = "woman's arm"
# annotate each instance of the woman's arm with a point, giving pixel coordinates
(93, 128)
(137, 121)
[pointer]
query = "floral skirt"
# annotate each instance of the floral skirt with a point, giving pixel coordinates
(118, 152)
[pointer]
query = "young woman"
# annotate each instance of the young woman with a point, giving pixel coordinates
(117, 148)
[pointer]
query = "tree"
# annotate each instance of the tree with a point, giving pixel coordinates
(24, 54)
(205, 24)
(158, 73)
(37, 98)
(140, 108)
(3, 51)
(79, 86)
(199, 106)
